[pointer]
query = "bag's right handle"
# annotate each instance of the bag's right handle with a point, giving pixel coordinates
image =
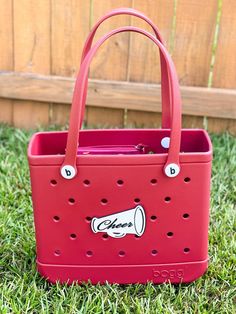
(165, 94)
(172, 166)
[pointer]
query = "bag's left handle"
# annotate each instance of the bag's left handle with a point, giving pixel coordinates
(78, 103)
(165, 95)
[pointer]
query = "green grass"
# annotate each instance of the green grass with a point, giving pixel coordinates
(22, 290)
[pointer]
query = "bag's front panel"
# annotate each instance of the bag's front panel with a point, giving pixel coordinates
(175, 219)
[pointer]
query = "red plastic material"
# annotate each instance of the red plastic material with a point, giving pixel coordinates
(121, 219)
(164, 74)
(78, 102)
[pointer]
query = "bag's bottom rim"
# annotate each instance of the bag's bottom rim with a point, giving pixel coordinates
(124, 274)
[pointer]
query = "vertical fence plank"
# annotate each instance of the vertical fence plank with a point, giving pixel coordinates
(144, 63)
(112, 59)
(6, 59)
(224, 73)
(69, 27)
(31, 54)
(194, 35)
(111, 62)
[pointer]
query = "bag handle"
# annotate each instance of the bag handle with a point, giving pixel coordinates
(165, 95)
(171, 169)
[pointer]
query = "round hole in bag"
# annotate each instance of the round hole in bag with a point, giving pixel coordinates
(120, 182)
(167, 199)
(154, 252)
(53, 182)
(88, 219)
(186, 216)
(137, 237)
(153, 181)
(105, 236)
(137, 200)
(71, 201)
(73, 236)
(153, 218)
(89, 253)
(187, 179)
(121, 253)
(104, 201)
(86, 182)
(57, 252)
(56, 218)
(186, 250)
(170, 234)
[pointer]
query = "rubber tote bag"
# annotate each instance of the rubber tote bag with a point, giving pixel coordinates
(123, 206)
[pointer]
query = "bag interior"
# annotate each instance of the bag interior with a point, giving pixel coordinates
(54, 143)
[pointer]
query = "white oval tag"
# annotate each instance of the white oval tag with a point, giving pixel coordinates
(172, 170)
(68, 172)
(165, 142)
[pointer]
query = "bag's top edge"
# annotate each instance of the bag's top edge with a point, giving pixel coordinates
(123, 130)
(147, 159)
(111, 160)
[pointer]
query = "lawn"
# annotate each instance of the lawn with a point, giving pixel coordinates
(22, 290)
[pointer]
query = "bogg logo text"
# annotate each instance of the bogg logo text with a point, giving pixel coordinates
(168, 274)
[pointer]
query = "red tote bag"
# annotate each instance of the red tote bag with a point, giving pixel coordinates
(123, 206)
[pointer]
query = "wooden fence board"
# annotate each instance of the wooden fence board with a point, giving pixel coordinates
(69, 29)
(144, 65)
(224, 73)
(6, 59)
(194, 34)
(197, 101)
(192, 122)
(143, 119)
(31, 54)
(216, 125)
(111, 61)
(193, 41)
(70, 26)
(144, 61)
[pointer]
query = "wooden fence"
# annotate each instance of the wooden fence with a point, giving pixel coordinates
(40, 48)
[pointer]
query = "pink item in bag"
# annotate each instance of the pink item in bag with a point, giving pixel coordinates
(113, 149)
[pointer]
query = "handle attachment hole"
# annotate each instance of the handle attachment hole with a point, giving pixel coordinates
(167, 199)
(73, 236)
(153, 181)
(71, 201)
(104, 201)
(186, 250)
(56, 218)
(53, 182)
(86, 182)
(187, 179)
(121, 253)
(57, 253)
